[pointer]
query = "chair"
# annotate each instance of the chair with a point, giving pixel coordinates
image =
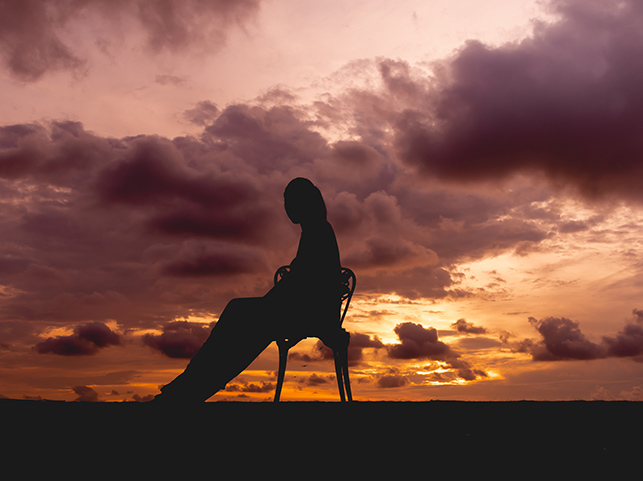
(338, 341)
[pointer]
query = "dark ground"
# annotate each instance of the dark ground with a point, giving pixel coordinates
(512, 440)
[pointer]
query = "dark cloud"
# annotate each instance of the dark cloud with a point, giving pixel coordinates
(153, 169)
(245, 387)
(562, 339)
(566, 101)
(315, 380)
(59, 153)
(85, 394)
(97, 228)
(417, 342)
(197, 259)
(87, 339)
(204, 113)
(629, 341)
(30, 42)
(34, 33)
(93, 225)
(358, 342)
(307, 357)
(273, 138)
(66, 346)
(391, 250)
(465, 371)
(392, 379)
(179, 339)
(98, 334)
(176, 26)
(183, 195)
(241, 222)
(461, 325)
(142, 399)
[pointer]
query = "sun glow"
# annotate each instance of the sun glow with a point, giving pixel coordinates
(199, 318)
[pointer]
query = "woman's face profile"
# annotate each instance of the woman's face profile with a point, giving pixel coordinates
(292, 207)
(303, 202)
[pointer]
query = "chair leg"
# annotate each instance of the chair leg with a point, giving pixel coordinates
(347, 382)
(338, 374)
(283, 359)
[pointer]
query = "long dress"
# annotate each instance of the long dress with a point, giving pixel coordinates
(303, 302)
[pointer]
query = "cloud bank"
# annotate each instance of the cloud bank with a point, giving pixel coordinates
(421, 171)
(563, 340)
(86, 340)
(566, 102)
(34, 34)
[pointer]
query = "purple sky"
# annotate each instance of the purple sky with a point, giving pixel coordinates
(481, 161)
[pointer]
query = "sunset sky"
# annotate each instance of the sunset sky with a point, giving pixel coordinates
(481, 161)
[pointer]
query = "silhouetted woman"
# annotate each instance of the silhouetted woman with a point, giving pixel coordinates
(301, 302)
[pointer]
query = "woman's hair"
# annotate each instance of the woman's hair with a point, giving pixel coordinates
(306, 198)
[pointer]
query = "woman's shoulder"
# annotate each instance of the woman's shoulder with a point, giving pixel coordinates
(325, 231)
(325, 227)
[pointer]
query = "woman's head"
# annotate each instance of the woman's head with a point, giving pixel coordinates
(304, 202)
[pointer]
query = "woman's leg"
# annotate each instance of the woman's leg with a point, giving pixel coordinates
(243, 331)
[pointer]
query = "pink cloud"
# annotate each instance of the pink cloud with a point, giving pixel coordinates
(418, 342)
(565, 102)
(179, 340)
(85, 394)
(110, 225)
(144, 230)
(33, 32)
(87, 339)
(462, 325)
(563, 340)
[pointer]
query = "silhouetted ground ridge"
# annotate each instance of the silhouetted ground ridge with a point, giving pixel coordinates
(371, 437)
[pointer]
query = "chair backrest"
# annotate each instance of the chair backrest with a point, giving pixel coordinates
(347, 283)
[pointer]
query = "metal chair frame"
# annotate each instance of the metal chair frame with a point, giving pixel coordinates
(338, 342)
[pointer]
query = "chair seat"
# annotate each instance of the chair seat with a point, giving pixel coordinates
(333, 336)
